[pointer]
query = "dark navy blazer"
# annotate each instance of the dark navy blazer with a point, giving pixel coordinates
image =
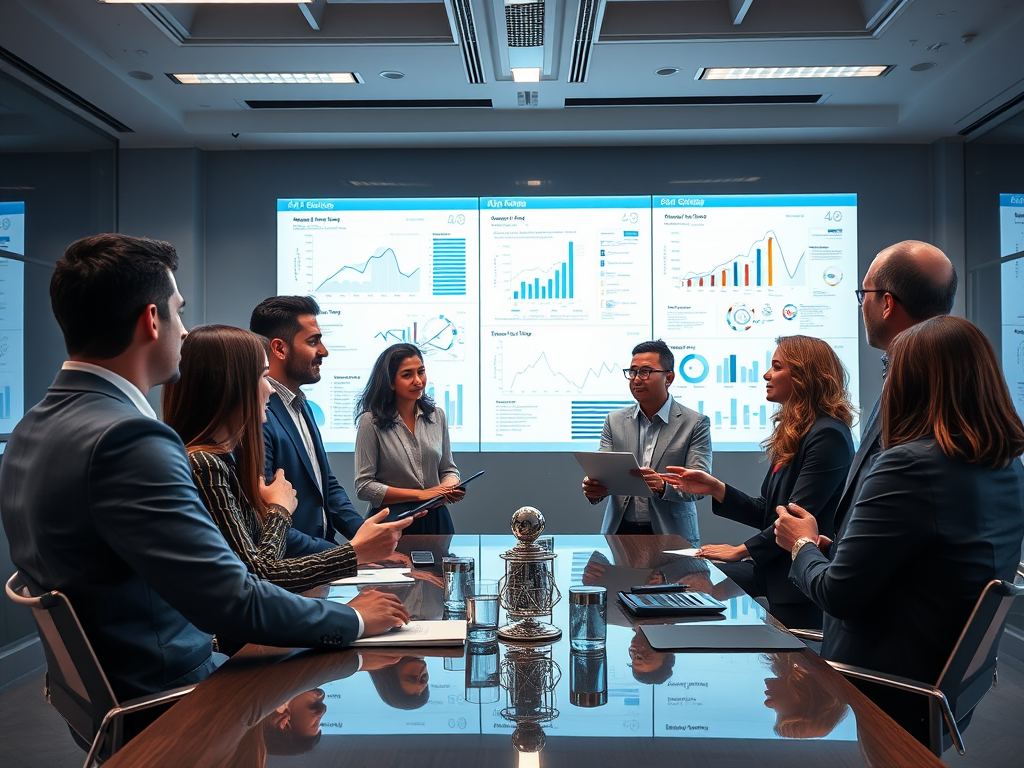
(285, 450)
(98, 502)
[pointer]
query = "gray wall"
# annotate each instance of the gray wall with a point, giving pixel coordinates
(160, 190)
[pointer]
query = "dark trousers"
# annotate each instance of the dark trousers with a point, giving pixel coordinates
(626, 528)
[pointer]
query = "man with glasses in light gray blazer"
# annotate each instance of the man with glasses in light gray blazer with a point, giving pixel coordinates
(659, 432)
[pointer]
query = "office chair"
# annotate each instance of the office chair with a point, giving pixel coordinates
(969, 673)
(75, 683)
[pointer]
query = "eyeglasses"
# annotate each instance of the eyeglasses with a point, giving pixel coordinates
(643, 373)
(862, 292)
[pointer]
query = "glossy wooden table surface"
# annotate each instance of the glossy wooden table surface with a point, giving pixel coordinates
(267, 705)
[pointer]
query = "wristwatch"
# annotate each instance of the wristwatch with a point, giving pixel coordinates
(799, 545)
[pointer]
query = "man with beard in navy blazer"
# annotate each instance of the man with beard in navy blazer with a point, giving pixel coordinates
(291, 438)
(98, 500)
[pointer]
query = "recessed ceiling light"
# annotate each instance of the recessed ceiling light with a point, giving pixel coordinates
(257, 78)
(924, 66)
(789, 73)
(137, 74)
(666, 71)
(526, 74)
(392, 74)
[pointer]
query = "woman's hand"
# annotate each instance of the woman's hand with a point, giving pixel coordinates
(726, 553)
(694, 481)
(279, 492)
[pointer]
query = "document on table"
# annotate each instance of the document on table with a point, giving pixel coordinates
(375, 576)
(424, 633)
(691, 552)
(612, 470)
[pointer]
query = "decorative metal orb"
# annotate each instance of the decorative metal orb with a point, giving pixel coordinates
(529, 737)
(527, 524)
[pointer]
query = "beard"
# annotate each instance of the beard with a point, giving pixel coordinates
(302, 374)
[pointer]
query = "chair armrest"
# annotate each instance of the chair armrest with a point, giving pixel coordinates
(906, 684)
(152, 700)
(808, 634)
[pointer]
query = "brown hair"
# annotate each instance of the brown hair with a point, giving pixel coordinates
(219, 385)
(944, 383)
(819, 386)
(818, 709)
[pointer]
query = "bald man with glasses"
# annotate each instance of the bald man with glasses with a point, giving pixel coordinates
(659, 431)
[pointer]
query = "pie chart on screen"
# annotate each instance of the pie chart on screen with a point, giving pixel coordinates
(318, 413)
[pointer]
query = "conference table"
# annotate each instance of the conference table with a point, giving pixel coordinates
(496, 704)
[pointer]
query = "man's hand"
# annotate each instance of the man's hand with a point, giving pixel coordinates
(654, 481)
(724, 552)
(376, 540)
(593, 490)
(593, 573)
(794, 523)
(824, 544)
(381, 611)
(694, 481)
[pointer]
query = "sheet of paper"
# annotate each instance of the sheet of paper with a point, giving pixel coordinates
(611, 469)
(691, 552)
(419, 633)
(376, 576)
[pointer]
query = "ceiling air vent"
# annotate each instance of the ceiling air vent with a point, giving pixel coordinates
(528, 99)
(525, 24)
(694, 101)
(370, 104)
(462, 15)
(588, 20)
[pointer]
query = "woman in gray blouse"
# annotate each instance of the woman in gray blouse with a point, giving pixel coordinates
(403, 453)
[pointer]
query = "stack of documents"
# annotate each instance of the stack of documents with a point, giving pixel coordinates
(371, 576)
(418, 633)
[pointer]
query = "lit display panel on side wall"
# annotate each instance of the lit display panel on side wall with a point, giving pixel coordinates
(12, 316)
(384, 272)
(731, 274)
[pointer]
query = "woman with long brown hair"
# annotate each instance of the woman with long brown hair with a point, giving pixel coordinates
(218, 407)
(809, 451)
(938, 516)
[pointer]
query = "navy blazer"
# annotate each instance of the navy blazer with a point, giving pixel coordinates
(285, 450)
(814, 480)
(925, 535)
(98, 502)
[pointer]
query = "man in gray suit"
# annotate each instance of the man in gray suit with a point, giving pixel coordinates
(659, 432)
(98, 500)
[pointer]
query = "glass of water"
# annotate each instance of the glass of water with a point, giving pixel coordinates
(458, 581)
(588, 679)
(482, 610)
(588, 618)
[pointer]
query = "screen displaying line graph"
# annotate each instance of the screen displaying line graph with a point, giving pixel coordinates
(386, 272)
(734, 272)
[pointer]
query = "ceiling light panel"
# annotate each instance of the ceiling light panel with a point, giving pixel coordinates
(790, 73)
(267, 78)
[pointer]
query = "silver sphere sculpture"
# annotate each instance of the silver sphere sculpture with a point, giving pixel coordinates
(527, 524)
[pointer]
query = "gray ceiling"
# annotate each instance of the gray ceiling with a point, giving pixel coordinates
(98, 52)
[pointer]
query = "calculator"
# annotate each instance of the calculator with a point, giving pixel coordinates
(670, 604)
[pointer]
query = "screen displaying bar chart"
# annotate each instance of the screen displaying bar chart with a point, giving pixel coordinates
(564, 298)
(387, 272)
(734, 272)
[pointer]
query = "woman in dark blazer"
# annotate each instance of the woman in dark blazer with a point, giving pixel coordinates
(810, 451)
(938, 516)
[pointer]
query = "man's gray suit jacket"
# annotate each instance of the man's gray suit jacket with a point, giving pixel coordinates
(98, 502)
(684, 441)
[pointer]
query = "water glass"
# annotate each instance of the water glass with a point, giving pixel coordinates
(588, 618)
(482, 610)
(588, 679)
(458, 581)
(482, 677)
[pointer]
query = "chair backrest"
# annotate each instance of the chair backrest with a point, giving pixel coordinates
(968, 674)
(77, 687)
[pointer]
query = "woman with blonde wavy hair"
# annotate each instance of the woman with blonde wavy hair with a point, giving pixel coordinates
(810, 451)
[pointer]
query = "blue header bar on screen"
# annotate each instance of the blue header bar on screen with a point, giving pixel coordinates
(300, 205)
(1011, 201)
(527, 203)
(12, 208)
(751, 201)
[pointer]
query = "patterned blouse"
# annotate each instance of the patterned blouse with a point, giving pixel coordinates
(261, 545)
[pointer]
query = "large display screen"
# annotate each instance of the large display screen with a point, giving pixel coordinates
(527, 309)
(12, 316)
(1011, 239)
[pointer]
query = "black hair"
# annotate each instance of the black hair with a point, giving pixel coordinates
(665, 356)
(102, 284)
(278, 316)
(922, 295)
(389, 687)
(659, 675)
(378, 398)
